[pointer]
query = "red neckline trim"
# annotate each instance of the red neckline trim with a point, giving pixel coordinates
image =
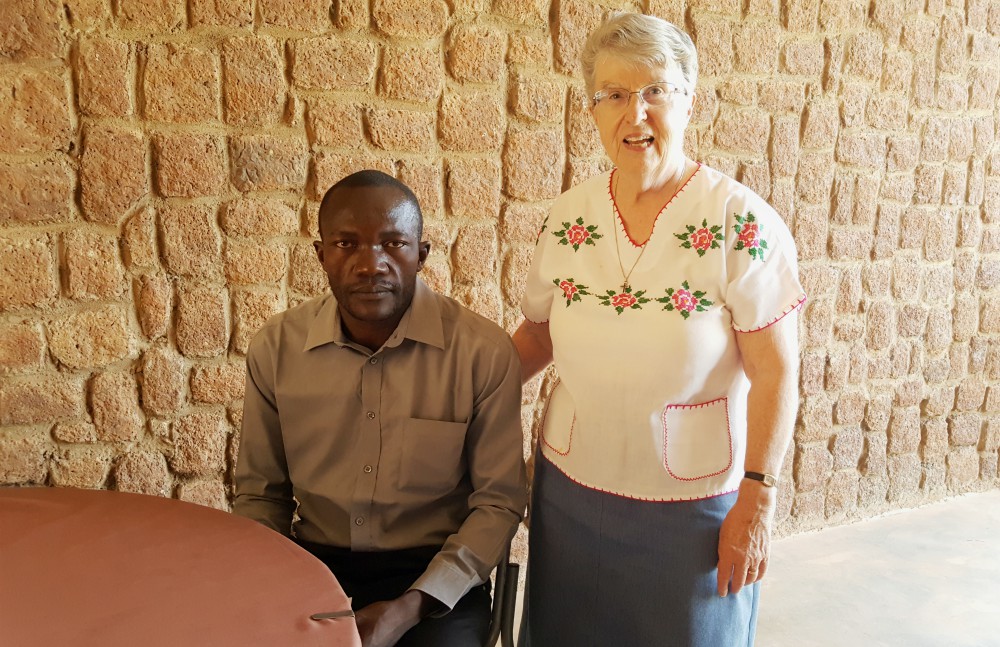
(618, 215)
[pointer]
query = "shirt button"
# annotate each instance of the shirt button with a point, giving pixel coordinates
(373, 360)
(371, 415)
(368, 469)
(360, 521)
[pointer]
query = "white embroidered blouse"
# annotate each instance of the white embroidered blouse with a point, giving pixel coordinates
(651, 402)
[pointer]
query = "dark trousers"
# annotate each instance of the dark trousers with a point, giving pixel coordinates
(379, 576)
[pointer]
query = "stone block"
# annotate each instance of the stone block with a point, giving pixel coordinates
(813, 464)
(143, 471)
(864, 149)
(351, 15)
(953, 190)
(151, 15)
(425, 180)
(874, 457)
(530, 49)
(199, 444)
(412, 19)
(81, 467)
(112, 174)
(848, 445)
(475, 54)
(32, 400)
(401, 130)
(815, 176)
(538, 99)
(192, 244)
(331, 63)
(515, 272)
(574, 21)
(903, 153)
(533, 164)
(210, 493)
(963, 467)
(93, 267)
(334, 122)
(163, 381)
(864, 56)
(473, 187)
(977, 183)
(475, 254)
(521, 223)
(965, 429)
(437, 275)
(180, 84)
(897, 71)
(881, 328)
(988, 274)
(251, 310)
(904, 430)
(811, 372)
(114, 403)
(714, 41)
(86, 15)
(905, 474)
(971, 394)
(935, 438)
(202, 320)
(268, 163)
(778, 96)
(526, 12)
(411, 73)
(850, 409)
(28, 274)
(742, 131)
(189, 165)
(139, 245)
(251, 261)
(24, 459)
(37, 193)
(105, 77)
(584, 140)
(221, 13)
(34, 106)
(898, 187)
(22, 347)
(329, 168)
(803, 57)
(756, 46)
(913, 227)
(811, 230)
(983, 87)
(90, 338)
(942, 230)
(311, 16)
(31, 29)
(842, 494)
(306, 275)
(471, 122)
(817, 419)
(784, 157)
(952, 94)
(218, 383)
(846, 244)
(153, 304)
(259, 217)
(254, 89)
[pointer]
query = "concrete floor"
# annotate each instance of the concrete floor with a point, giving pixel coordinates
(928, 577)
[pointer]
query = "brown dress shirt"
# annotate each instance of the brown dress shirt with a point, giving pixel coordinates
(416, 444)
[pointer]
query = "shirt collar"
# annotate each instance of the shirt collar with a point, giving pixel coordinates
(421, 322)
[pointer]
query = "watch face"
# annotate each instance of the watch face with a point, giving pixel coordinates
(769, 480)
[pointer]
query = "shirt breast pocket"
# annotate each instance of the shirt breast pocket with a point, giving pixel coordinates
(432, 459)
(697, 442)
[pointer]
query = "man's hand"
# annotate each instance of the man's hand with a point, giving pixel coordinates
(382, 624)
(745, 538)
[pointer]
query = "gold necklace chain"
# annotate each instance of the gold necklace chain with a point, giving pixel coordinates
(614, 208)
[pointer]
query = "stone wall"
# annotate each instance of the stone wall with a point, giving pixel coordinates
(161, 162)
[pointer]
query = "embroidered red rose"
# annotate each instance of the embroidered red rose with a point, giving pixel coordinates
(702, 239)
(568, 289)
(623, 300)
(577, 234)
(750, 235)
(684, 300)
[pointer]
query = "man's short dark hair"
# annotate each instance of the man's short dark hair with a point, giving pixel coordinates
(373, 178)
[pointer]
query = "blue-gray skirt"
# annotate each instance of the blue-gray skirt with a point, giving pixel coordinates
(609, 571)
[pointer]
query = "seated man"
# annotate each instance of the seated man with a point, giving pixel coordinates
(390, 415)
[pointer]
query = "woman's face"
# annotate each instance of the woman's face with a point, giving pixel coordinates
(639, 138)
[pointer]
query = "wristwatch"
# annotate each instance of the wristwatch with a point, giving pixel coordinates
(769, 480)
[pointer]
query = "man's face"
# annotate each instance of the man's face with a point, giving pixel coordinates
(371, 252)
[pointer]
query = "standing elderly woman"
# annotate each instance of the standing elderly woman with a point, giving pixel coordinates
(666, 294)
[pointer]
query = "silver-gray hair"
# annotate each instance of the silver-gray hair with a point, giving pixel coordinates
(643, 40)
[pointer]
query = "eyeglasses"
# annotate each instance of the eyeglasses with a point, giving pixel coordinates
(654, 94)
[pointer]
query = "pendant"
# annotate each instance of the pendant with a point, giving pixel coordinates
(625, 286)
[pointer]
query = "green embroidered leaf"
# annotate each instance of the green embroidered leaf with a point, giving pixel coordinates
(579, 220)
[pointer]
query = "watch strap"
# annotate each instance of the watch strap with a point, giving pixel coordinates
(769, 480)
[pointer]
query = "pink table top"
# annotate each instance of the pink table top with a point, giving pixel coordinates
(88, 568)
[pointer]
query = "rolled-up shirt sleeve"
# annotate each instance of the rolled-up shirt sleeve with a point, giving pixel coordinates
(263, 487)
(499, 488)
